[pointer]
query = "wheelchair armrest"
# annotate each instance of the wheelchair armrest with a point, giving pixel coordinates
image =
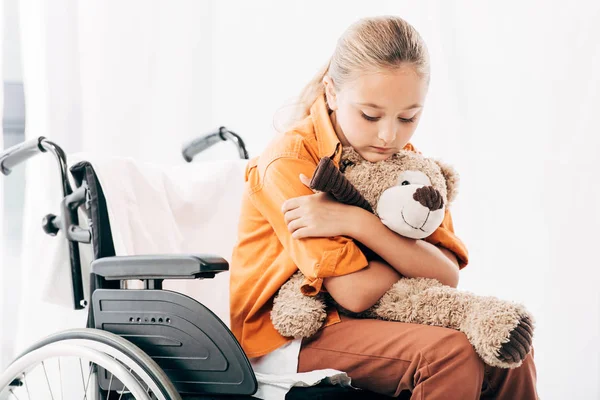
(159, 267)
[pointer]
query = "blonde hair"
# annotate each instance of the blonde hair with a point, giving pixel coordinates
(370, 44)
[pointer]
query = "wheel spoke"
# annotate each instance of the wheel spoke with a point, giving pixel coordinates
(88, 382)
(122, 391)
(81, 369)
(60, 379)
(26, 386)
(110, 382)
(47, 380)
(13, 393)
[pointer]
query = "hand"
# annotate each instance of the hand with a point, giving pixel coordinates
(316, 215)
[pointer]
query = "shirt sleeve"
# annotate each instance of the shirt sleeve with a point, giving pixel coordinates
(444, 237)
(317, 258)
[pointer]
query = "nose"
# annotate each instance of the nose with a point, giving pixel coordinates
(429, 197)
(387, 134)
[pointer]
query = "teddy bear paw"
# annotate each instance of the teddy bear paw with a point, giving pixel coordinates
(519, 343)
(299, 321)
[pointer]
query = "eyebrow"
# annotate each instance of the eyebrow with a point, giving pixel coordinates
(372, 105)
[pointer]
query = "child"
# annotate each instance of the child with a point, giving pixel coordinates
(370, 97)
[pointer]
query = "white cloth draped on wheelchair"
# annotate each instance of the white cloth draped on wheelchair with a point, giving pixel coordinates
(179, 209)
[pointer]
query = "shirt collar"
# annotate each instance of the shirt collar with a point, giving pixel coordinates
(328, 142)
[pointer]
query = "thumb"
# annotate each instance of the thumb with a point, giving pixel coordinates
(305, 180)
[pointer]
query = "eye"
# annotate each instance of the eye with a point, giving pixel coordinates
(407, 120)
(369, 118)
(405, 183)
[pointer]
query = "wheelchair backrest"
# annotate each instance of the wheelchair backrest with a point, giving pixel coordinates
(191, 208)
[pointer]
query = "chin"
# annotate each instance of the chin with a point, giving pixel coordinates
(375, 157)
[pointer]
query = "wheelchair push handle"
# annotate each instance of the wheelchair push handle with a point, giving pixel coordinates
(69, 220)
(19, 153)
(198, 145)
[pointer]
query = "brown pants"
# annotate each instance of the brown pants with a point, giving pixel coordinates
(431, 362)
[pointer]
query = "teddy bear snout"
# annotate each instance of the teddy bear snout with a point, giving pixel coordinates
(429, 197)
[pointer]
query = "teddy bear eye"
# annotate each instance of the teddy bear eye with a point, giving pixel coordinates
(345, 164)
(404, 183)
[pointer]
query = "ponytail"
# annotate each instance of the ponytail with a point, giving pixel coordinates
(309, 94)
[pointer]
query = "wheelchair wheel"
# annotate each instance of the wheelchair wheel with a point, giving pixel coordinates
(66, 365)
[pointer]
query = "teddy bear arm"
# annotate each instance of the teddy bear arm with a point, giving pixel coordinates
(294, 314)
(501, 332)
(328, 178)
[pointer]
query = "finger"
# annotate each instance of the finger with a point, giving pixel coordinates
(295, 225)
(289, 204)
(291, 215)
(306, 181)
(301, 233)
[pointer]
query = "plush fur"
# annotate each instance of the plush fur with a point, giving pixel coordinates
(296, 315)
(501, 332)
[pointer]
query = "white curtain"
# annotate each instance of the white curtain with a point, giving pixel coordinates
(3, 241)
(514, 92)
(119, 78)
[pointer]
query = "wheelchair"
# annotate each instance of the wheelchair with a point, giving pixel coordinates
(143, 344)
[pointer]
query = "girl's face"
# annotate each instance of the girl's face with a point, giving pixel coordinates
(377, 113)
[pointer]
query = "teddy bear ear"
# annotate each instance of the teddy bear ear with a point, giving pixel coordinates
(452, 179)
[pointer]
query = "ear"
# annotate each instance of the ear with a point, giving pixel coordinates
(452, 179)
(330, 94)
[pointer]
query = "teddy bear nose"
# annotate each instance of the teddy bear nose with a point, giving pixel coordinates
(429, 197)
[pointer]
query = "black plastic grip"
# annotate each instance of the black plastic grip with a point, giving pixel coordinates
(200, 144)
(19, 153)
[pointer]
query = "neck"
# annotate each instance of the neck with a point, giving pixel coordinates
(338, 129)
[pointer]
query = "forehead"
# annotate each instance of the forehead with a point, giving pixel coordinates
(395, 90)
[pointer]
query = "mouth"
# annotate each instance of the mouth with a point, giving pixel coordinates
(382, 149)
(415, 227)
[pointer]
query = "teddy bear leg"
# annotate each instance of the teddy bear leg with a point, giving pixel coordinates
(294, 314)
(500, 332)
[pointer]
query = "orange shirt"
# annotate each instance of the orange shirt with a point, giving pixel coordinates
(266, 255)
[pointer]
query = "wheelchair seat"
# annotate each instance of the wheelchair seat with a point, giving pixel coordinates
(193, 346)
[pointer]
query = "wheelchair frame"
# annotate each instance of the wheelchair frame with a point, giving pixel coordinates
(133, 313)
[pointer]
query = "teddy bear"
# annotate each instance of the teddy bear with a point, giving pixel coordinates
(409, 193)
